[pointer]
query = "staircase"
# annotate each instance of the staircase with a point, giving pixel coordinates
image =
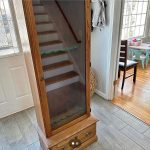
(57, 67)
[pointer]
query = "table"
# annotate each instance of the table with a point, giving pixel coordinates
(143, 48)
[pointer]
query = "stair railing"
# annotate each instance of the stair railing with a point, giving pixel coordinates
(67, 21)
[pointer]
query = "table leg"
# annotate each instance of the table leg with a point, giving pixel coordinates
(147, 57)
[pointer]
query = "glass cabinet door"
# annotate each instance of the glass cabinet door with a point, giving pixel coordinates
(61, 31)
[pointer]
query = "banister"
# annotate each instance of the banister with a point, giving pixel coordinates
(67, 21)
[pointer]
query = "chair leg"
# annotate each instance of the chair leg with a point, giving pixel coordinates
(135, 72)
(143, 63)
(119, 73)
(147, 59)
(123, 80)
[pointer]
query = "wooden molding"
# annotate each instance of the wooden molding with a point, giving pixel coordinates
(41, 107)
(88, 55)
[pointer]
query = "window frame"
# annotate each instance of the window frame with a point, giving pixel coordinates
(129, 27)
(18, 51)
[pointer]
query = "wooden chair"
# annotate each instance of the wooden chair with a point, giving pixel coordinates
(124, 64)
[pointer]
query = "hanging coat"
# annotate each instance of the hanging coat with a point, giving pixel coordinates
(99, 19)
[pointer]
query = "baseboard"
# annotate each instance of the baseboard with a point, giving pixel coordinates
(103, 95)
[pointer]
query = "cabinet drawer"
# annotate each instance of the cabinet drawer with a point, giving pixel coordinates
(76, 140)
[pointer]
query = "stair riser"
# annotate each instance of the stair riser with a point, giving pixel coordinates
(41, 18)
(39, 9)
(45, 27)
(51, 48)
(62, 83)
(58, 71)
(48, 37)
(55, 59)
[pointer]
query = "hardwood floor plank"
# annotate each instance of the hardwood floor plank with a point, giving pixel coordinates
(134, 110)
(137, 137)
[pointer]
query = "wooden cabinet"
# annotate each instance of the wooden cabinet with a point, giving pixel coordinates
(59, 35)
(77, 140)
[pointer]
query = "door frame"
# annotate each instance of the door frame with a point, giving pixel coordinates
(112, 73)
(118, 50)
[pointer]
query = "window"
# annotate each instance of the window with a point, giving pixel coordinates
(8, 42)
(134, 18)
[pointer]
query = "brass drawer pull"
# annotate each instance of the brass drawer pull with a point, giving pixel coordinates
(88, 134)
(74, 143)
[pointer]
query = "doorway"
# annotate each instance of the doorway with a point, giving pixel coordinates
(135, 23)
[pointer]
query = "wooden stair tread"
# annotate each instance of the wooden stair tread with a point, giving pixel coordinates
(61, 77)
(54, 54)
(46, 32)
(50, 43)
(57, 65)
(43, 22)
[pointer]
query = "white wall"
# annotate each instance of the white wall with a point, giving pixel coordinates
(104, 47)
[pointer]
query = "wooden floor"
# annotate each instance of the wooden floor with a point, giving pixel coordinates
(136, 98)
(116, 130)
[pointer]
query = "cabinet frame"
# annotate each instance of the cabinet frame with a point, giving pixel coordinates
(41, 105)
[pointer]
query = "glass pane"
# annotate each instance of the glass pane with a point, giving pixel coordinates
(125, 9)
(129, 8)
(125, 21)
(137, 30)
(144, 10)
(134, 7)
(131, 32)
(126, 33)
(133, 20)
(140, 7)
(64, 64)
(143, 19)
(141, 31)
(8, 42)
(138, 20)
(123, 34)
(129, 21)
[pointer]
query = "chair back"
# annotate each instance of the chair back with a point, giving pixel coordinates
(123, 52)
